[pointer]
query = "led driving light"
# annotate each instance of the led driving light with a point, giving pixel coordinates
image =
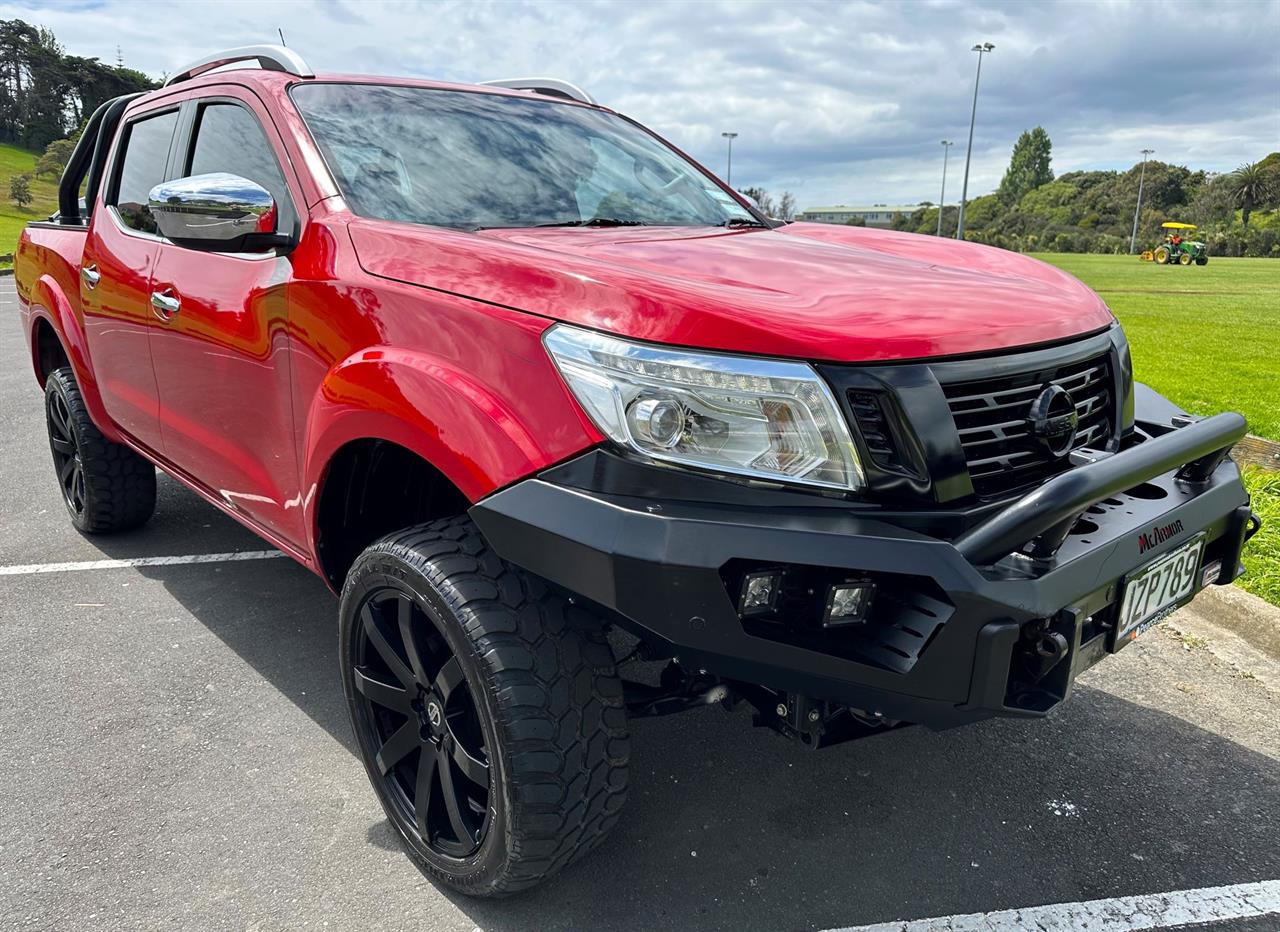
(759, 593)
(848, 603)
(741, 416)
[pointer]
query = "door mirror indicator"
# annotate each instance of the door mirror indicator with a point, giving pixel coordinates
(218, 211)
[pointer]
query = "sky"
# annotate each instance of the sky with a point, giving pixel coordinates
(837, 102)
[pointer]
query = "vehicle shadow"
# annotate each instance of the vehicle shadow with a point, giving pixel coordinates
(733, 828)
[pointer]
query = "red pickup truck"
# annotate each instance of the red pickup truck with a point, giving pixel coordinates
(540, 397)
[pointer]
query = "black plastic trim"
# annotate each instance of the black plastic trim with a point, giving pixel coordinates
(937, 470)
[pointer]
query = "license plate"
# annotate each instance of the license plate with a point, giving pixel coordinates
(1151, 592)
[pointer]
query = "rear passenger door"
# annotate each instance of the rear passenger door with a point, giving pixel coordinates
(115, 274)
(222, 359)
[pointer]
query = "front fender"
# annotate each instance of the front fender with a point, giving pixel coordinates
(484, 424)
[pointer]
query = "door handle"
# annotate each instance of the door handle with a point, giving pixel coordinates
(91, 275)
(165, 303)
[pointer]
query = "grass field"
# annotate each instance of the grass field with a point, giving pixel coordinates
(1209, 339)
(14, 161)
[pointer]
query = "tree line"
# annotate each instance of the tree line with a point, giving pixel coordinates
(1238, 212)
(1093, 211)
(46, 94)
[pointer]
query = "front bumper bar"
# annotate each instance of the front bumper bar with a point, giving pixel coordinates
(658, 568)
(1195, 450)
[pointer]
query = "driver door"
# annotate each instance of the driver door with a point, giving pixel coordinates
(221, 350)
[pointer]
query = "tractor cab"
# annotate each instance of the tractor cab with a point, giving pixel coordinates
(1178, 247)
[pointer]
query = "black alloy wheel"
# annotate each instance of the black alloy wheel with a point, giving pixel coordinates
(487, 708)
(417, 708)
(105, 485)
(66, 455)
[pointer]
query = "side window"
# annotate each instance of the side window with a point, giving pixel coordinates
(229, 139)
(146, 152)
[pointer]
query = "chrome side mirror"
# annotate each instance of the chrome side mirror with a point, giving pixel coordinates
(218, 211)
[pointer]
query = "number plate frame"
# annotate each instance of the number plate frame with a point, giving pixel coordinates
(1128, 628)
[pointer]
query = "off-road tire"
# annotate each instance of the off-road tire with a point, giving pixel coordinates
(113, 488)
(541, 676)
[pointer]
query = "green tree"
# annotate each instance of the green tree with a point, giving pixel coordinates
(55, 158)
(1213, 203)
(20, 190)
(45, 93)
(1250, 187)
(1028, 166)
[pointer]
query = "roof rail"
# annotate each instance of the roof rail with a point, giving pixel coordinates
(268, 57)
(552, 87)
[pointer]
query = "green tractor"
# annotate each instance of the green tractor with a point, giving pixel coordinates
(1179, 249)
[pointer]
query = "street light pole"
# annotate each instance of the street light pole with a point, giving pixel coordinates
(728, 175)
(1142, 176)
(973, 116)
(942, 198)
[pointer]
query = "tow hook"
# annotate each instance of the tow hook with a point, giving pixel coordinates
(1254, 526)
(1042, 649)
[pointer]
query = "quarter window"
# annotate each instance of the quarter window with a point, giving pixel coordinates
(146, 154)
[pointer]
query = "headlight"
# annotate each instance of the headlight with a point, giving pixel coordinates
(760, 418)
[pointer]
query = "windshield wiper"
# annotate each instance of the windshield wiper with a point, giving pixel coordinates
(733, 222)
(596, 222)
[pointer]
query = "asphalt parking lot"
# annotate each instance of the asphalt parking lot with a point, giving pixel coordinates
(176, 754)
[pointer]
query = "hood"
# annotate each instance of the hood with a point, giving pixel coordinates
(809, 291)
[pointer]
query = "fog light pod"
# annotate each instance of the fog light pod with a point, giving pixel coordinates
(848, 603)
(759, 593)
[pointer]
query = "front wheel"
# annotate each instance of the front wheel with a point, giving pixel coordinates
(1184, 259)
(1202, 260)
(488, 709)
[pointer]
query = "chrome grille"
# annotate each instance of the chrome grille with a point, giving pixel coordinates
(991, 418)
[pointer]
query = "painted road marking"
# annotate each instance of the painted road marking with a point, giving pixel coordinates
(235, 557)
(1120, 914)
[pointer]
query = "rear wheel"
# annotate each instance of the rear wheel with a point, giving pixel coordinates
(105, 486)
(488, 709)
(1161, 255)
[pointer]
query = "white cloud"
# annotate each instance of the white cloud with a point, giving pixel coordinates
(839, 102)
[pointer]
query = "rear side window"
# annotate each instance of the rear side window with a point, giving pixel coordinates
(146, 153)
(230, 139)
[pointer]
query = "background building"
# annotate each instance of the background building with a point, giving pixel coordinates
(878, 215)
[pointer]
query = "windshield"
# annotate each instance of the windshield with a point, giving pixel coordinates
(472, 161)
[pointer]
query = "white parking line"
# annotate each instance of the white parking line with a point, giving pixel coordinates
(235, 557)
(1121, 914)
